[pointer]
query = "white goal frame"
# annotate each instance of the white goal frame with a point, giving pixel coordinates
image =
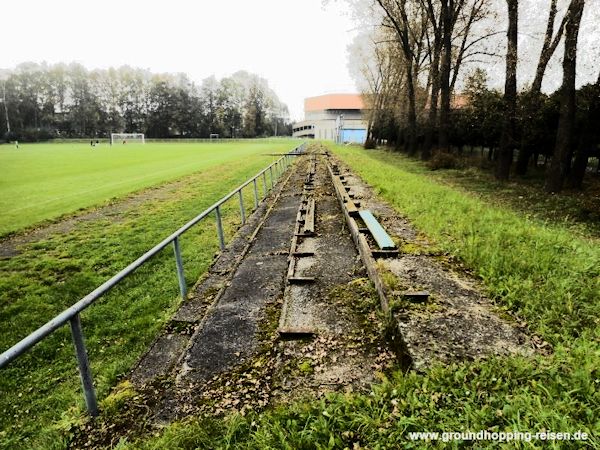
(126, 137)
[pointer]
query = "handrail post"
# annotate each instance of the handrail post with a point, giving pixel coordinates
(264, 177)
(242, 210)
(271, 172)
(220, 228)
(179, 264)
(84, 366)
(255, 194)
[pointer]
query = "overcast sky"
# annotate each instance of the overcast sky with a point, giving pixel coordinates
(298, 46)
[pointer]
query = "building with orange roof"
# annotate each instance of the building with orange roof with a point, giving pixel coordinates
(334, 117)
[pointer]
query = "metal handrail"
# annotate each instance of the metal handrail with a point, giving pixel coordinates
(71, 314)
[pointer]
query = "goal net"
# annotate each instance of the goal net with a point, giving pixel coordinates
(124, 138)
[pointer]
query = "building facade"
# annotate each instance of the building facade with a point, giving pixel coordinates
(334, 117)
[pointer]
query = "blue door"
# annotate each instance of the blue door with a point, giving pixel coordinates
(355, 136)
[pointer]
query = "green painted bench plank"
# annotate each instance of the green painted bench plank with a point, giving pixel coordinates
(384, 241)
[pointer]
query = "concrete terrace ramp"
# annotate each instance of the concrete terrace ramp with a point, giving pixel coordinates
(223, 348)
(288, 310)
(226, 337)
(213, 328)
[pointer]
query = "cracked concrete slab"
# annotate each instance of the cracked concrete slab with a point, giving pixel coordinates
(458, 322)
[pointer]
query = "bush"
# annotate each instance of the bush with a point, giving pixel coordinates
(370, 144)
(33, 135)
(443, 160)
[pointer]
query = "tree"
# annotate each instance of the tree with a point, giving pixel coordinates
(588, 109)
(561, 160)
(257, 106)
(551, 41)
(397, 15)
(68, 100)
(505, 151)
(447, 12)
(5, 105)
(435, 19)
(533, 100)
(209, 93)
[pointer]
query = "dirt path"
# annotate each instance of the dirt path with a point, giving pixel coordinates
(11, 245)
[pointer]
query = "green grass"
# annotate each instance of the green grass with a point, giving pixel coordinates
(40, 391)
(545, 272)
(45, 181)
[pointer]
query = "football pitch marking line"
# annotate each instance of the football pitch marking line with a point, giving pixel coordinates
(75, 194)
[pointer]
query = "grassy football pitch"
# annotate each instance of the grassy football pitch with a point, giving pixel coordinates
(44, 181)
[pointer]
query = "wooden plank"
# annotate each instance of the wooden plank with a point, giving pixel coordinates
(341, 190)
(309, 220)
(299, 280)
(351, 208)
(384, 241)
(370, 265)
(291, 268)
(416, 296)
(384, 253)
(301, 254)
(294, 244)
(295, 333)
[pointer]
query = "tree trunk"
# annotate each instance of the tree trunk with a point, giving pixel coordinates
(447, 6)
(505, 151)
(6, 109)
(435, 89)
(530, 113)
(588, 140)
(411, 132)
(577, 173)
(561, 160)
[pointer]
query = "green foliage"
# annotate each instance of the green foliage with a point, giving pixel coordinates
(370, 144)
(46, 101)
(443, 160)
(118, 398)
(306, 367)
